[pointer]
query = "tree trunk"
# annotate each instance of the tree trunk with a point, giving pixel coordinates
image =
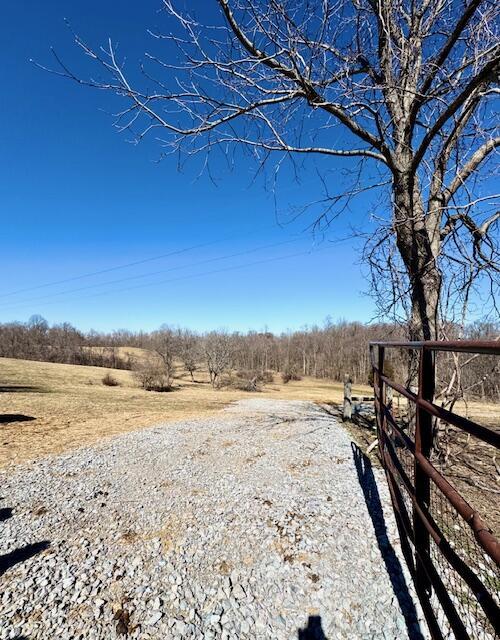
(419, 243)
(426, 289)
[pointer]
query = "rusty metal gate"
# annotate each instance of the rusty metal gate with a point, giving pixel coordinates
(451, 552)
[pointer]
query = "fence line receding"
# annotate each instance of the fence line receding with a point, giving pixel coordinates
(451, 552)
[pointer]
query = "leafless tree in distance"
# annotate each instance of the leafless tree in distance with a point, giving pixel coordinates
(189, 352)
(405, 89)
(218, 351)
(327, 351)
(165, 345)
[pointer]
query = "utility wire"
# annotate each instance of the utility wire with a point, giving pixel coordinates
(195, 275)
(127, 264)
(151, 273)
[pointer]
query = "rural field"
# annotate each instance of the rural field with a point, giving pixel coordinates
(50, 408)
(214, 513)
(249, 320)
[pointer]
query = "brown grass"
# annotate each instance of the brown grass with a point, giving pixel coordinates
(72, 408)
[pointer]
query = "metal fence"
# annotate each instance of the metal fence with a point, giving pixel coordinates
(451, 553)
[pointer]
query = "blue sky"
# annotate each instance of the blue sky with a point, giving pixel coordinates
(76, 198)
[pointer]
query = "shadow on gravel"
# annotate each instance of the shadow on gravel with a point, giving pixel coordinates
(6, 418)
(22, 554)
(392, 563)
(5, 513)
(313, 631)
(17, 388)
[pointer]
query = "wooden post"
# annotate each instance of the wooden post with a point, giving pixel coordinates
(347, 414)
(389, 396)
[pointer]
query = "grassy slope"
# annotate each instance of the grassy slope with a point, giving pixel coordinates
(72, 407)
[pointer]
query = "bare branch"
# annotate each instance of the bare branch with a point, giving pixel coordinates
(470, 166)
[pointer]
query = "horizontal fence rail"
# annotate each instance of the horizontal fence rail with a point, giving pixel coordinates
(452, 554)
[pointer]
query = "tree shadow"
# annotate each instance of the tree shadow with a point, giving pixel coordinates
(7, 418)
(9, 560)
(392, 564)
(5, 513)
(17, 388)
(313, 631)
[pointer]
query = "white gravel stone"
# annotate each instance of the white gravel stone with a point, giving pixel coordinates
(154, 618)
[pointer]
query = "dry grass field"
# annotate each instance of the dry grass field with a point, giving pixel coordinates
(48, 408)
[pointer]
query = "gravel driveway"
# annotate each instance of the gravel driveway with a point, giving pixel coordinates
(261, 522)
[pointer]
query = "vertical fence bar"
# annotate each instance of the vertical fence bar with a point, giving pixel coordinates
(375, 383)
(423, 445)
(381, 399)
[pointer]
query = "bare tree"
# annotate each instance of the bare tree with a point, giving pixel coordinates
(406, 85)
(218, 355)
(328, 352)
(166, 347)
(189, 351)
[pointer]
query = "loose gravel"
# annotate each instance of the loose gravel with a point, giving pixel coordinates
(262, 522)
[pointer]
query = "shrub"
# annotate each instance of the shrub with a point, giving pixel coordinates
(289, 374)
(109, 381)
(250, 380)
(244, 384)
(151, 375)
(265, 377)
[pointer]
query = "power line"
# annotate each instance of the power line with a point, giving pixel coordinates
(151, 273)
(195, 275)
(128, 264)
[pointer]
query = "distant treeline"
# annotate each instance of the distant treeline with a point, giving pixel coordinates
(329, 351)
(36, 340)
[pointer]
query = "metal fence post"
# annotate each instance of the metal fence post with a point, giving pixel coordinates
(423, 445)
(381, 399)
